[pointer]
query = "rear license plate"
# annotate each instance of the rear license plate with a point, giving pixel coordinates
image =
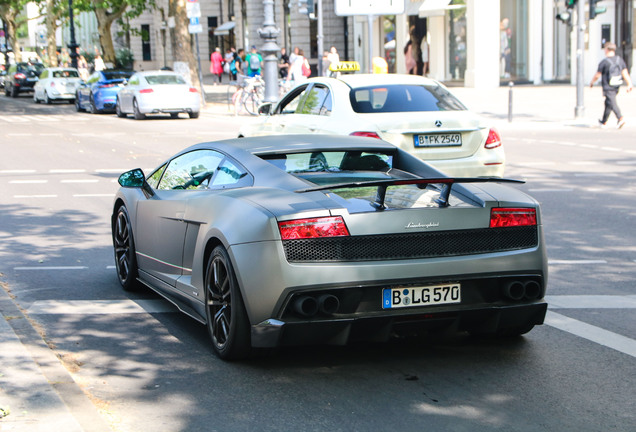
(421, 296)
(438, 140)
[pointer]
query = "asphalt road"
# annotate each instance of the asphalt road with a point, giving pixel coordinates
(144, 366)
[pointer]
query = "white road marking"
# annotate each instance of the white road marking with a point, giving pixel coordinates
(576, 262)
(591, 302)
(66, 171)
(592, 333)
(50, 268)
(550, 190)
(17, 171)
(99, 307)
(28, 181)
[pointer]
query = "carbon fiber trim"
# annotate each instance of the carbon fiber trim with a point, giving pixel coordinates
(411, 245)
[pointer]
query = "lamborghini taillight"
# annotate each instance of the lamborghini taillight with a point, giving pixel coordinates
(313, 228)
(512, 217)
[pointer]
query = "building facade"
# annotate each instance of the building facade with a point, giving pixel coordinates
(473, 43)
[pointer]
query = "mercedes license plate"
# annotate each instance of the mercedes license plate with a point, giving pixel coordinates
(438, 140)
(421, 296)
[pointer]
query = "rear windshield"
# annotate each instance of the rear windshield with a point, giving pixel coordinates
(343, 167)
(114, 75)
(164, 79)
(403, 98)
(65, 74)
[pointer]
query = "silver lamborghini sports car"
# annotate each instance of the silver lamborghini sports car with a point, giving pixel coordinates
(304, 239)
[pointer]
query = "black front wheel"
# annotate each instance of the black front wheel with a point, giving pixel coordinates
(227, 320)
(124, 245)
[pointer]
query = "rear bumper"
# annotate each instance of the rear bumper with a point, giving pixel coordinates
(490, 319)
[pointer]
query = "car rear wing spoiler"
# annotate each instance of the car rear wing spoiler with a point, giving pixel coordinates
(446, 182)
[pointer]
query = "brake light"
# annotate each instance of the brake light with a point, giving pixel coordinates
(106, 85)
(52, 83)
(313, 228)
(19, 76)
(193, 90)
(365, 134)
(148, 90)
(493, 140)
(512, 217)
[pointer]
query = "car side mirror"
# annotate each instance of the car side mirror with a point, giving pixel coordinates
(265, 109)
(135, 179)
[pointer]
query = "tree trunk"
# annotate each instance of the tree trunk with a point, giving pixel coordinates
(181, 39)
(9, 15)
(105, 21)
(51, 27)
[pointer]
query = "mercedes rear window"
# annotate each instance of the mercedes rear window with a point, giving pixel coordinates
(164, 79)
(403, 98)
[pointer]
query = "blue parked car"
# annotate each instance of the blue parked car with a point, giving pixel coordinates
(99, 93)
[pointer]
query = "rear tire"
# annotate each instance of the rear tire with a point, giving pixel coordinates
(118, 110)
(174, 115)
(124, 246)
(226, 317)
(194, 115)
(47, 100)
(14, 92)
(137, 113)
(78, 106)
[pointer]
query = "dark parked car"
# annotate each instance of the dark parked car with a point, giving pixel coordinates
(21, 77)
(99, 93)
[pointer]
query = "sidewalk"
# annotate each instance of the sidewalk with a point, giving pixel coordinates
(533, 106)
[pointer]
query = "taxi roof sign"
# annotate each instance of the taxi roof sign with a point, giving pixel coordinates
(345, 66)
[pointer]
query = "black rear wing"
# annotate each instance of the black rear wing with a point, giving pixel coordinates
(382, 185)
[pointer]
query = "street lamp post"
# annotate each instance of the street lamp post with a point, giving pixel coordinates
(268, 33)
(73, 45)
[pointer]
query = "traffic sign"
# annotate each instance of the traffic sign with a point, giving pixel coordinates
(195, 26)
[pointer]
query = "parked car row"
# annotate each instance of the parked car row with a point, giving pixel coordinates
(120, 91)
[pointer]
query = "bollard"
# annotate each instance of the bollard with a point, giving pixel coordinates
(510, 85)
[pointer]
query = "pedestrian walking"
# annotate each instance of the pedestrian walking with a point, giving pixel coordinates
(254, 61)
(283, 64)
(216, 64)
(612, 71)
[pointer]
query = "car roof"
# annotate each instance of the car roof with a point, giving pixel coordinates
(367, 80)
(156, 72)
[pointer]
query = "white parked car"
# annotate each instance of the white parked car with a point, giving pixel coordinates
(56, 83)
(414, 113)
(156, 92)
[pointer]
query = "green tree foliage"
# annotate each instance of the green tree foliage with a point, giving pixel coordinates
(11, 14)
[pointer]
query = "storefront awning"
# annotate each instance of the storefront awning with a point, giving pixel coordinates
(431, 8)
(224, 29)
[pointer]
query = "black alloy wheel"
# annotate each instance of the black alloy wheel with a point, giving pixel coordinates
(227, 321)
(93, 108)
(125, 260)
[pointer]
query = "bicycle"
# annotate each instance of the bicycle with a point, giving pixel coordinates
(249, 95)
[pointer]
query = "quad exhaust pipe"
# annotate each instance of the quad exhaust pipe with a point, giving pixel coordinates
(308, 306)
(518, 290)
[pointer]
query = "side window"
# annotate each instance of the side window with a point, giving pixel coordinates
(154, 178)
(315, 100)
(227, 174)
(191, 171)
(290, 105)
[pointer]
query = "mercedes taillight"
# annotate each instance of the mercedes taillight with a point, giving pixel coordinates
(493, 140)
